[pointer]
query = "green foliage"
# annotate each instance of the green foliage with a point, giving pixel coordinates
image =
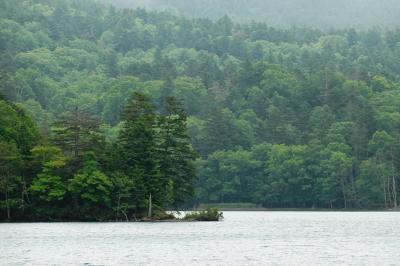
(92, 188)
(122, 194)
(10, 181)
(292, 117)
(176, 154)
(49, 157)
(48, 187)
(17, 136)
(78, 134)
(137, 146)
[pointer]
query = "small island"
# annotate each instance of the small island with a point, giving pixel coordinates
(206, 215)
(74, 174)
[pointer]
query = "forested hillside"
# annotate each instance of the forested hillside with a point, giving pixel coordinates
(278, 117)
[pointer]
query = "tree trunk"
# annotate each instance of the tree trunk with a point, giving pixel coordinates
(126, 216)
(150, 207)
(388, 191)
(351, 194)
(394, 191)
(118, 207)
(344, 192)
(384, 191)
(7, 205)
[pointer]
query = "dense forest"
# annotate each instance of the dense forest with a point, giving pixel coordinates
(102, 107)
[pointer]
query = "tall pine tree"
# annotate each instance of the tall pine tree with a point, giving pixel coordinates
(176, 153)
(138, 152)
(78, 133)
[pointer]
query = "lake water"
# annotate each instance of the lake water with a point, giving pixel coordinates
(243, 238)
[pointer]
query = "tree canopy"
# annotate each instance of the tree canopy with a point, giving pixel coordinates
(102, 107)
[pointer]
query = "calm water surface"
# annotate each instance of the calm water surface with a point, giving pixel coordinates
(243, 238)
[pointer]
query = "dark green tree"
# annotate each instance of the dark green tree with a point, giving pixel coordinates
(78, 133)
(138, 152)
(177, 156)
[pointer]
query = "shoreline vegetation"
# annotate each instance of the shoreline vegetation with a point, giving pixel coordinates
(110, 114)
(206, 215)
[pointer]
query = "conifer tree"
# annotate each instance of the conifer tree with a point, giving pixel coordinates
(138, 154)
(78, 133)
(176, 153)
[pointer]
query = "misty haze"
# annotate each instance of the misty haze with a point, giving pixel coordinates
(322, 14)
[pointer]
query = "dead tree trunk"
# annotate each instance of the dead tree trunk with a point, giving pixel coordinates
(394, 192)
(150, 206)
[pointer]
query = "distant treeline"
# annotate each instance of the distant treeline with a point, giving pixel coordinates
(320, 14)
(279, 117)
